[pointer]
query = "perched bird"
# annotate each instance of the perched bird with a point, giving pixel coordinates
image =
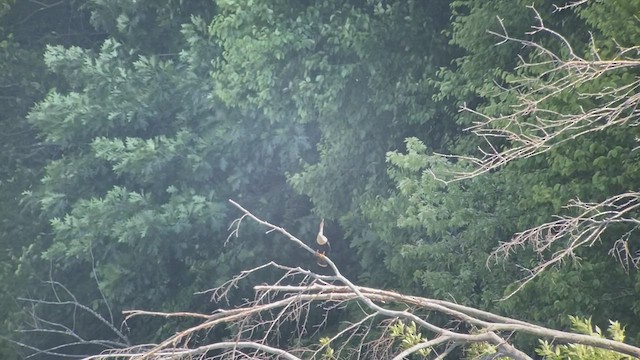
(323, 246)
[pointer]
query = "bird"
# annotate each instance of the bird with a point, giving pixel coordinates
(323, 246)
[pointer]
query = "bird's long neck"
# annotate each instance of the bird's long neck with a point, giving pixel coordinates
(321, 239)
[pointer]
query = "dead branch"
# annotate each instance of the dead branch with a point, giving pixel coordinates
(279, 303)
(562, 237)
(569, 5)
(533, 127)
(70, 338)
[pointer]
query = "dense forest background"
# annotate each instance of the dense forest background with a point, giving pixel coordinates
(125, 126)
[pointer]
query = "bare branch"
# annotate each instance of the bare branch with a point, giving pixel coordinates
(562, 237)
(71, 340)
(569, 5)
(280, 303)
(201, 351)
(532, 127)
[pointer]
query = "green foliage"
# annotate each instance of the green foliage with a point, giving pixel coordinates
(147, 158)
(441, 235)
(143, 175)
(436, 238)
(477, 350)
(583, 352)
(328, 352)
(355, 74)
(148, 122)
(25, 29)
(5, 6)
(409, 336)
(615, 22)
(148, 25)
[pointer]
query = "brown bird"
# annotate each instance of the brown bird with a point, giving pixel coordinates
(323, 246)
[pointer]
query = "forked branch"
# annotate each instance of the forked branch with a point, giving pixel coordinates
(256, 324)
(558, 240)
(533, 125)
